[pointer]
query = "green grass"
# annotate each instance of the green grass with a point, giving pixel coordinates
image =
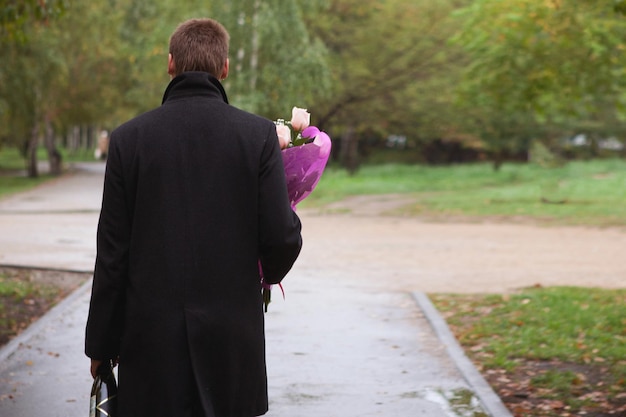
(14, 289)
(13, 167)
(592, 192)
(14, 184)
(21, 301)
(12, 173)
(19, 287)
(79, 155)
(569, 324)
(579, 332)
(10, 160)
(578, 193)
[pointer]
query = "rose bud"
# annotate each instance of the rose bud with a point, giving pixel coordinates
(284, 135)
(300, 119)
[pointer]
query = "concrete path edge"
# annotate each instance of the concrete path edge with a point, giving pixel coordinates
(490, 401)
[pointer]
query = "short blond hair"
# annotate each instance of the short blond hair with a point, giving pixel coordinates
(199, 45)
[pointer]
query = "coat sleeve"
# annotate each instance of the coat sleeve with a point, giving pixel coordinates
(280, 238)
(106, 310)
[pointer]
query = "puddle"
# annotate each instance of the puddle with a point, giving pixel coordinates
(454, 403)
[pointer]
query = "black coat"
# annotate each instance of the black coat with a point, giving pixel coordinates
(194, 195)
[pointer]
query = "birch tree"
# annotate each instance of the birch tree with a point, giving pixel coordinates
(276, 62)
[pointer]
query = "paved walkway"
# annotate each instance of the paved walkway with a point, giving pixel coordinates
(335, 348)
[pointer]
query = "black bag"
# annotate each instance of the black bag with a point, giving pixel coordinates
(103, 401)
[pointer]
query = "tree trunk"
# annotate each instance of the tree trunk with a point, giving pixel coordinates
(349, 155)
(254, 50)
(498, 160)
(73, 139)
(31, 152)
(85, 137)
(54, 157)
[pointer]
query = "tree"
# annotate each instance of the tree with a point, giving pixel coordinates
(17, 20)
(24, 84)
(17, 15)
(393, 70)
(276, 61)
(535, 65)
(144, 33)
(66, 74)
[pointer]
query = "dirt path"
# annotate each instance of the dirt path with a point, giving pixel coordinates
(407, 254)
(364, 247)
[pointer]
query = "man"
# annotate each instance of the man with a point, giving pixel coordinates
(194, 196)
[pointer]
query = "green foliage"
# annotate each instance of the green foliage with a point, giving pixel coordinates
(619, 6)
(537, 64)
(516, 72)
(276, 61)
(97, 64)
(143, 35)
(16, 15)
(392, 70)
(93, 76)
(103, 62)
(64, 75)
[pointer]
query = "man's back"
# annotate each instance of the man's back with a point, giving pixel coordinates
(194, 196)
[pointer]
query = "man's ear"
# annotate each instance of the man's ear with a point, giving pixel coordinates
(225, 70)
(171, 67)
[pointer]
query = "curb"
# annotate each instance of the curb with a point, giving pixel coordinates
(490, 401)
(31, 331)
(45, 268)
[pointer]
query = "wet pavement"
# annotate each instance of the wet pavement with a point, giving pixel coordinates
(335, 347)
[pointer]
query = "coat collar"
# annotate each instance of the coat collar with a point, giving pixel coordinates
(194, 83)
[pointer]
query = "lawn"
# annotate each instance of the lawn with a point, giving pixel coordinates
(557, 351)
(13, 177)
(579, 193)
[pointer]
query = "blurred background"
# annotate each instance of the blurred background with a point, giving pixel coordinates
(394, 81)
(440, 111)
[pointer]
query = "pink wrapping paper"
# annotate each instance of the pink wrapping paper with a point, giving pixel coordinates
(305, 164)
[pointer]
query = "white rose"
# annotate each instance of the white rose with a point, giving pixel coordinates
(284, 135)
(300, 119)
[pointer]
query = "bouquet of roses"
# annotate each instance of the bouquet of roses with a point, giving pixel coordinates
(304, 158)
